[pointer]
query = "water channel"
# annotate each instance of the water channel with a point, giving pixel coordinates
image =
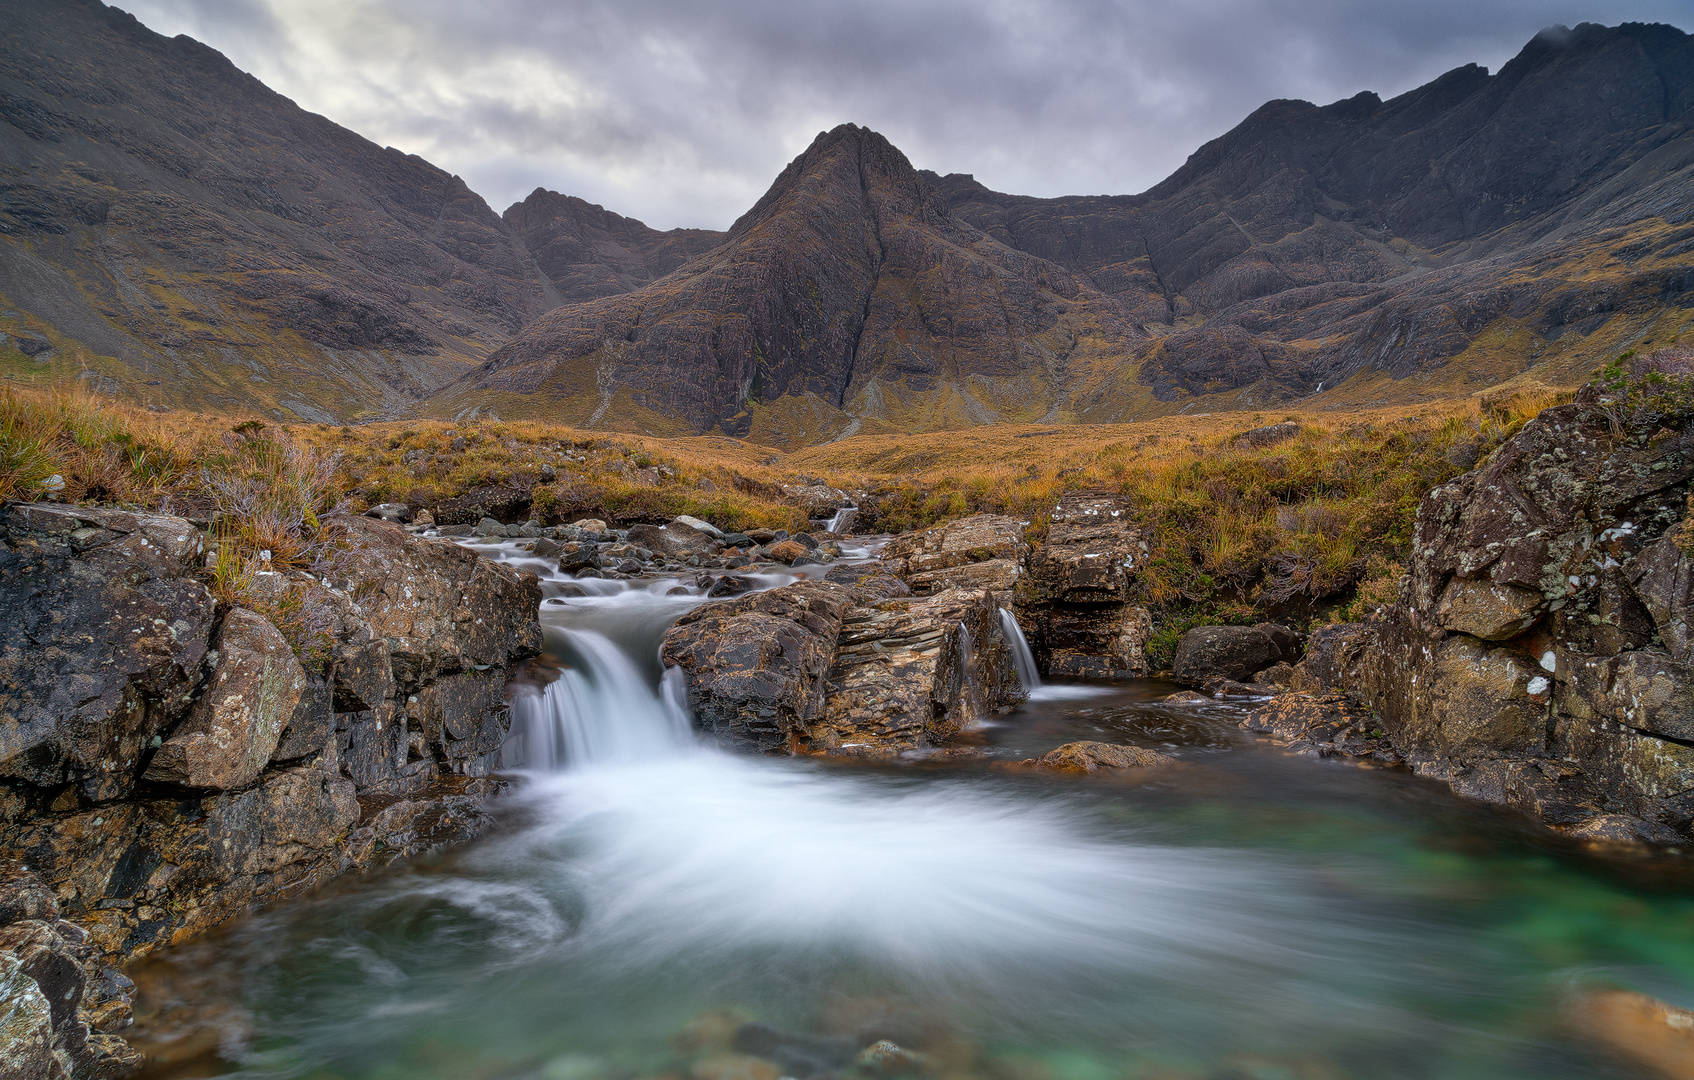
(656, 906)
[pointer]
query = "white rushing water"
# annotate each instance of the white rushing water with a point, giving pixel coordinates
(683, 847)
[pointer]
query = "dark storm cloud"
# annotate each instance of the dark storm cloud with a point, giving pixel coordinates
(681, 112)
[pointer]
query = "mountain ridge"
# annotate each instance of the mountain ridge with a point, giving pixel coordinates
(177, 232)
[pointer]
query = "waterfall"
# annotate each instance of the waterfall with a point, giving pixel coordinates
(841, 519)
(1022, 658)
(601, 709)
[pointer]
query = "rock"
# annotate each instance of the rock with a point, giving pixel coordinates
(761, 535)
(397, 512)
(1235, 652)
(786, 551)
(585, 557)
(1640, 1029)
(1621, 828)
(699, 526)
(735, 540)
(311, 726)
(229, 736)
(1662, 576)
(107, 631)
(675, 539)
(33, 347)
(490, 528)
(364, 675)
(1187, 697)
(910, 671)
(757, 665)
(1332, 658)
(592, 525)
(424, 519)
(1488, 610)
(1087, 757)
(548, 473)
(872, 577)
(1219, 688)
(981, 552)
(729, 585)
(497, 501)
(890, 1059)
(439, 605)
(806, 540)
(1325, 724)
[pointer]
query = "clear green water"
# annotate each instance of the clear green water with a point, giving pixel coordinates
(1247, 915)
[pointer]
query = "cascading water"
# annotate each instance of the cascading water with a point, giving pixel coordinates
(1022, 658)
(841, 518)
(599, 710)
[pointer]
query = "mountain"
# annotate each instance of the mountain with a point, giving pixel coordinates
(849, 294)
(587, 252)
(173, 231)
(1537, 217)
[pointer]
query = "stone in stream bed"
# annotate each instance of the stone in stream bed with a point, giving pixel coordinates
(1089, 756)
(1234, 652)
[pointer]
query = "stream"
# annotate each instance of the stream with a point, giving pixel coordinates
(653, 906)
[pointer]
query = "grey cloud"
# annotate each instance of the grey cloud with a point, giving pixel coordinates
(680, 112)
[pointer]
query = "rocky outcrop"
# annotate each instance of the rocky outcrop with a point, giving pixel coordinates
(981, 552)
(206, 760)
(1078, 600)
(913, 671)
(1539, 654)
(858, 668)
(1327, 725)
(757, 666)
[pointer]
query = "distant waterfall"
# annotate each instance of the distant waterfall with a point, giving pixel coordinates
(601, 709)
(1022, 658)
(842, 518)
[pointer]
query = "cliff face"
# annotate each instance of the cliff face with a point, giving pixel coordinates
(848, 293)
(1312, 244)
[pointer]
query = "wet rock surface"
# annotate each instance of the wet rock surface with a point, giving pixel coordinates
(1538, 657)
(1092, 757)
(981, 552)
(208, 766)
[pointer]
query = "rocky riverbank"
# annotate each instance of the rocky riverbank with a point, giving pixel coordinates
(170, 761)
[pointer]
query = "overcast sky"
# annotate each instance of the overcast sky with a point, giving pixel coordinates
(681, 112)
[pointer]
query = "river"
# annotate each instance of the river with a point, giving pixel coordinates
(652, 904)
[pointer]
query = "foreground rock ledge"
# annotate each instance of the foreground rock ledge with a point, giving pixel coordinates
(166, 763)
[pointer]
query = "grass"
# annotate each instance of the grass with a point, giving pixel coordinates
(1316, 527)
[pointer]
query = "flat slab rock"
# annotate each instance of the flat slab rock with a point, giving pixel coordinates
(985, 551)
(1323, 724)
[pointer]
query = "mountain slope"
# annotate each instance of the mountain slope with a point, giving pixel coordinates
(587, 252)
(1311, 245)
(847, 296)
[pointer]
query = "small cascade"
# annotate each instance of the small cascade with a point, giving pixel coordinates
(1022, 658)
(842, 519)
(600, 710)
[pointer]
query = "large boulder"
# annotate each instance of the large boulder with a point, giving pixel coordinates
(103, 643)
(911, 671)
(498, 501)
(757, 665)
(981, 552)
(1078, 597)
(441, 607)
(228, 738)
(1233, 652)
(676, 539)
